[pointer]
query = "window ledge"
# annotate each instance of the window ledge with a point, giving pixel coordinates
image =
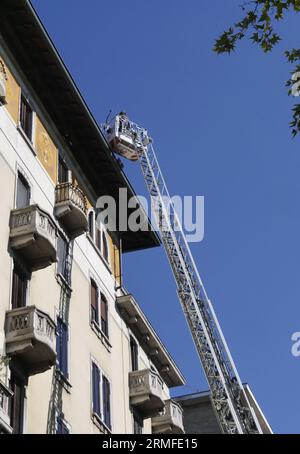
(104, 339)
(27, 140)
(105, 262)
(100, 424)
(63, 381)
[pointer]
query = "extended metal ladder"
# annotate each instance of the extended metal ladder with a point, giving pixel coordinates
(230, 402)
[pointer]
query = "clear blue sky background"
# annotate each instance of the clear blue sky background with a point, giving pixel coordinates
(220, 125)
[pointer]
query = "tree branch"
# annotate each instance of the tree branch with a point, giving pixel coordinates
(258, 26)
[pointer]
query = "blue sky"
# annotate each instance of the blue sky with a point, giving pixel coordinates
(220, 126)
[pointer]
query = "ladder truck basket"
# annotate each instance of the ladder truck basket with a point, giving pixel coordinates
(124, 137)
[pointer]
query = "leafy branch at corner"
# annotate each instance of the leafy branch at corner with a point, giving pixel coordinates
(258, 24)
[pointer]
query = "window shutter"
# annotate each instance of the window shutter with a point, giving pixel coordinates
(19, 288)
(15, 287)
(23, 192)
(104, 310)
(104, 246)
(98, 238)
(134, 354)
(106, 402)
(59, 255)
(96, 389)
(62, 347)
(91, 224)
(58, 342)
(23, 113)
(17, 404)
(65, 349)
(94, 302)
(26, 117)
(63, 172)
(62, 252)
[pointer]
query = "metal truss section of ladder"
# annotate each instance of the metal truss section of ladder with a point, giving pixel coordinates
(227, 393)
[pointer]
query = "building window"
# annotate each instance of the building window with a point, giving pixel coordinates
(26, 117)
(63, 171)
(138, 425)
(101, 396)
(62, 257)
(98, 233)
(62, 339)
(19, 289)
(61, 426)
(99, 301)
(91, 224)
(23, 192)
(134, 354)
(104, 315)
(17, 403)
(94, 302)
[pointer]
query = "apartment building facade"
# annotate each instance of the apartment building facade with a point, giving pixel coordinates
(78, 354)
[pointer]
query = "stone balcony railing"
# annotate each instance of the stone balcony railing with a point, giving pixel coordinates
(33, 236)
(145, 390)
(5, 396)
(170, 420)
(30, 339)
(71, 209)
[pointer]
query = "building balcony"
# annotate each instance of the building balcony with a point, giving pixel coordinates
(5, 396)
(145, 391)
(71, 209)
(30, 339)
(33, 236)
(170, 420)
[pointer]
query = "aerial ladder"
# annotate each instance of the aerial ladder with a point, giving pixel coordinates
(230, 402)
